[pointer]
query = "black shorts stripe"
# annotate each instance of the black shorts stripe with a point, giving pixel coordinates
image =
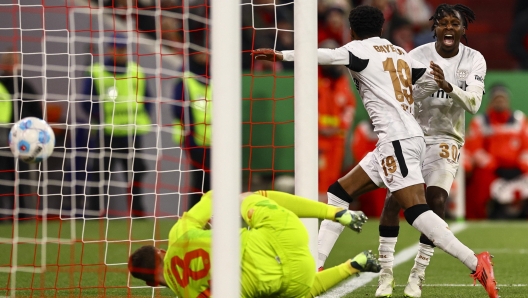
(399, 157)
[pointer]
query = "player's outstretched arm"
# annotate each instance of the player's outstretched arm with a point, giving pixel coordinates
(267, 54)
(470, 99)
(339, 56)
(306, 208)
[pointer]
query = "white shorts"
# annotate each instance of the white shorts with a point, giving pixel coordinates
(397, 164)
(440, 164)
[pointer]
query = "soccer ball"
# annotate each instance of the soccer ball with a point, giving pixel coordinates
(32, 140)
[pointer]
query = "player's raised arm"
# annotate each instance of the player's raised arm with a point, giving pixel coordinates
(471, 98)
(339, 56)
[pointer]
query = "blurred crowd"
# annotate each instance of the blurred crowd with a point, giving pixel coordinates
(269, 24)
(496, 154)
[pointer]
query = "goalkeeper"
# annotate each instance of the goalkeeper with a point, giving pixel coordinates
(276, 261)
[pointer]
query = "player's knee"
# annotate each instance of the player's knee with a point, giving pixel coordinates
(390, 213)
(391, 206)
(412, 213)
(337, 190)
(436, 199)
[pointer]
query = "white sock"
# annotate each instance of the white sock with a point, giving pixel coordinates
(437, 230)
(423, 257)
(386, 252)
(329, 231)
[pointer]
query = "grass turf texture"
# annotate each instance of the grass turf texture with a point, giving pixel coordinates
(446, 277)
(78, 269)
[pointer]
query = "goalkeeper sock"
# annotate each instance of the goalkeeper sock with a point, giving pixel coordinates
(304, 208)
(330, 230)
(328, 278)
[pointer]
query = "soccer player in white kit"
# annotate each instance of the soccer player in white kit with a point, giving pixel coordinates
(442, 119)
(384, 75)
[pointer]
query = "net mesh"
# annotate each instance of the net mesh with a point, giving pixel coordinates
(68, 224)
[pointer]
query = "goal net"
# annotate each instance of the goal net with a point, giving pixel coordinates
(68, 224)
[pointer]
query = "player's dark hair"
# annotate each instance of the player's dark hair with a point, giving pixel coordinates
(467, 15)
(366, 21)
(142, 263)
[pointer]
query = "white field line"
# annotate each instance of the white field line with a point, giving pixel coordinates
(403, 256)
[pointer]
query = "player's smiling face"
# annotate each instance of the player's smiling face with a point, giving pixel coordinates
(448, 31)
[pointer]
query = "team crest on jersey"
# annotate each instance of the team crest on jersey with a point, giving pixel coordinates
(462, 74)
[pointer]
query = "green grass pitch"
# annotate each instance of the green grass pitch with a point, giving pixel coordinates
(446, 277)
(77, 269)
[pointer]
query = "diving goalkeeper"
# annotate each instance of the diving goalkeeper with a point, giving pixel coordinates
(276, 261)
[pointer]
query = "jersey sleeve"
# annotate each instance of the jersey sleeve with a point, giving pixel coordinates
(194, 219)
(471, 98)
(337, 56)
(478, 72)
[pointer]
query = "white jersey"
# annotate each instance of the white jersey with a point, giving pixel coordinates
(383, 74)
(440, 117)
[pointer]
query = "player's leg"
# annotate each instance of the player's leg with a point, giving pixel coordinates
(326, 279)
(408, 191)
(436, 198)
(388, 230)
(400, 161)
(439, 170)
(418, 214)
(361, 179)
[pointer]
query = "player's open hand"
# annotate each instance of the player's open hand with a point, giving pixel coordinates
(267, 54)
(438, 75)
